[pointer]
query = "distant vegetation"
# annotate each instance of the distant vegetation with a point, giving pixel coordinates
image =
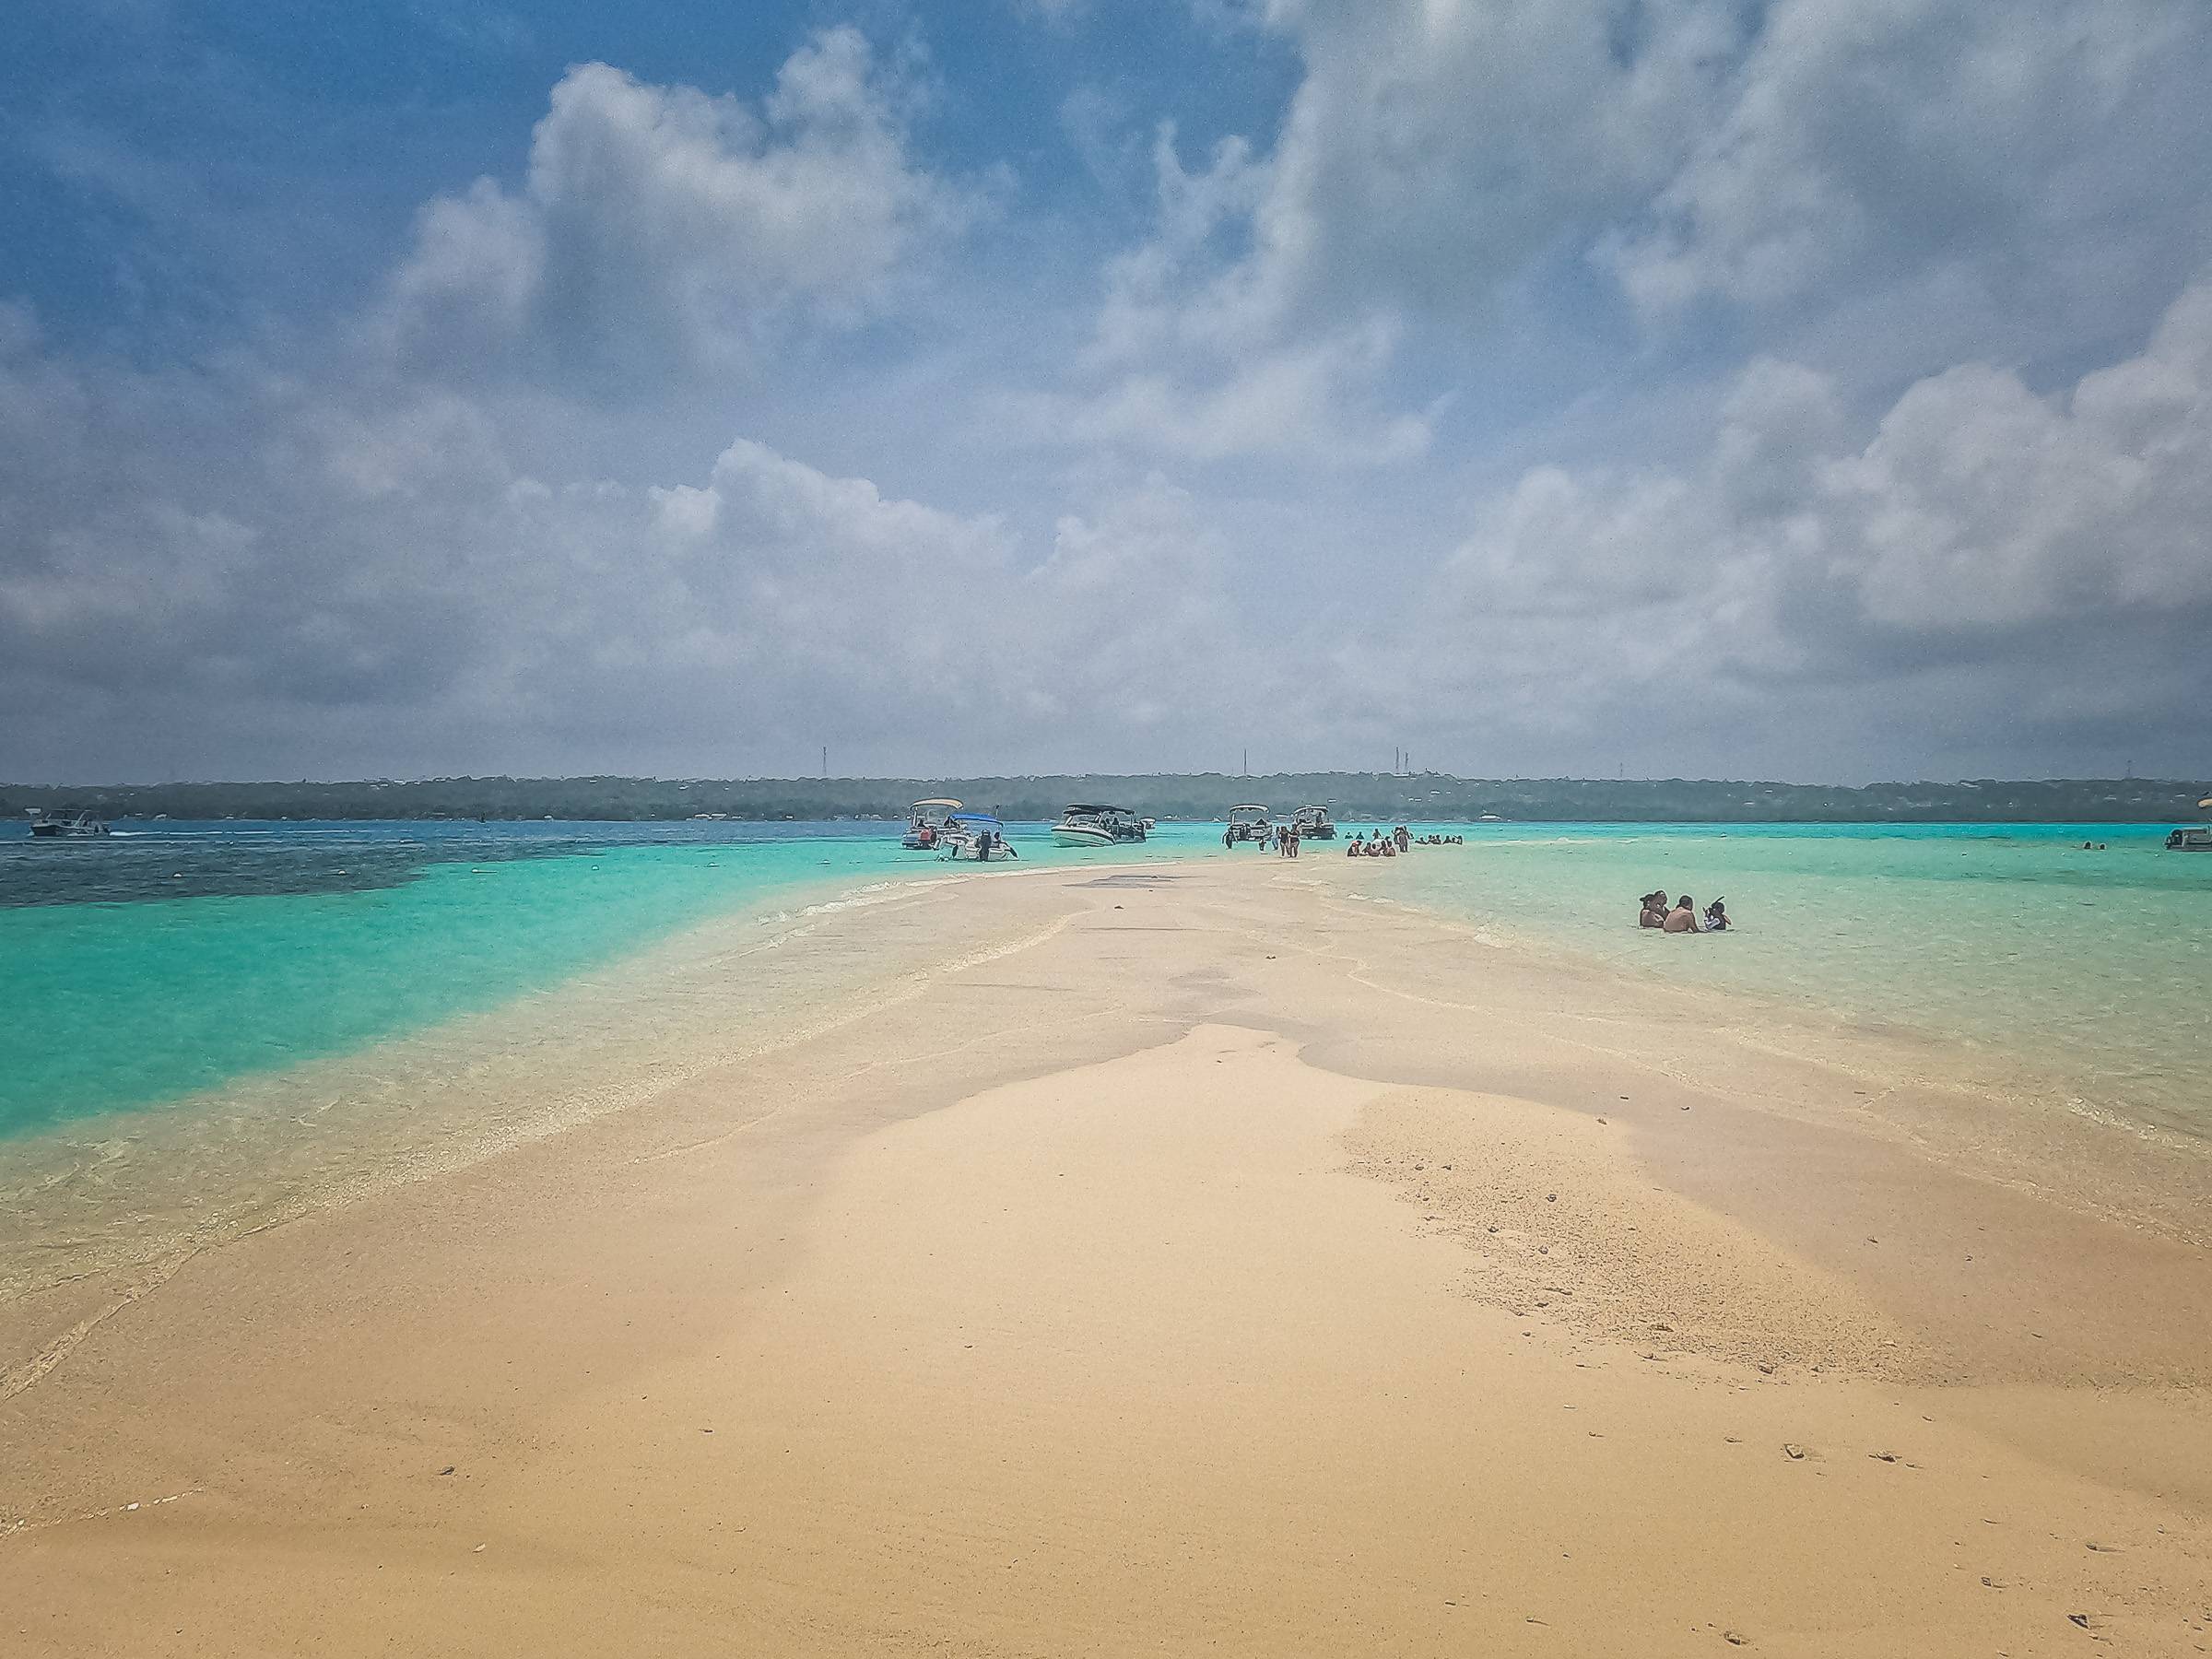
(1355, 796)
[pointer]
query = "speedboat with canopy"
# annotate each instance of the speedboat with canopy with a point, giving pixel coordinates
(925, 823)
(974, 836)
(1085, 824)
(1249, 823)
(2192, 838)
(48, 826)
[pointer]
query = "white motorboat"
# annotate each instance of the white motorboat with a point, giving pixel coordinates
(47, 825)
(2193, 839)
(925, 823)
(1085, 824)
(1314, 823)
(974, 836)
(1249, 823)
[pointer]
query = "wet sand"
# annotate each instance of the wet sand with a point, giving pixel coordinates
(1190, 1260)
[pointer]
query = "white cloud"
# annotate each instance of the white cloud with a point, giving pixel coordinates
(660, 228)
(1435, 149)
(1182, 364)
(1119, 498)
(1984, 538)
(1440, 156)
(1309, 400)
(1980, 504)
(1431, 153)
(328, 566)
(1871, 136)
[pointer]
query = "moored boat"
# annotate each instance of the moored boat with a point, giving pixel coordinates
(1249, 823)
(925, 824)
(975, 837)
(2195, 838)
(1085, 824)
(1314, 823)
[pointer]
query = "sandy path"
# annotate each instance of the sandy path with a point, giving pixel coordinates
(1122, 1361)
(1075, 1308)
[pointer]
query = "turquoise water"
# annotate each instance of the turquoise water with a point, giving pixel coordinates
(292, 942)
(2093, 967)
(147, 969)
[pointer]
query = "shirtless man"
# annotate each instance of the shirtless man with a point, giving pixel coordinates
(1683, 918)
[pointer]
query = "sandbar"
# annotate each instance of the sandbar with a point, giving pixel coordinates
(1163, 1260)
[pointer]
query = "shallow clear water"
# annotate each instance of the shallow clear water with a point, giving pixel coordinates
(2092, 966)
(154, 966)
(171, 958)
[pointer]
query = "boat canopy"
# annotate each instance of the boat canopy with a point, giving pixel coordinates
(1249, 806)
(987, 819)
(1087, 809)
(2205, 805)
(917, 807)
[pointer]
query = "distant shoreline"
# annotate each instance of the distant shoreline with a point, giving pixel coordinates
(1428, 797)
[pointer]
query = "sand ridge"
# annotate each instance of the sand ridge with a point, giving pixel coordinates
(1090, 1301)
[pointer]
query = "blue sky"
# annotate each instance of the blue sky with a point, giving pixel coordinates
(142, 136)
(1812, 391)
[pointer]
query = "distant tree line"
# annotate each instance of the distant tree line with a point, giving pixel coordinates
(1376, 796)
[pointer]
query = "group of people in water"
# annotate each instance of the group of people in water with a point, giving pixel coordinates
(1682, 916)
(1390, 843)
(1383, 844)
(1379, 843)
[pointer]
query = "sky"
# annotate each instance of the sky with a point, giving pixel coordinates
(1815, 390)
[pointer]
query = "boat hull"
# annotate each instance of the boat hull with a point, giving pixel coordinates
(1080, 835)
(966, 851)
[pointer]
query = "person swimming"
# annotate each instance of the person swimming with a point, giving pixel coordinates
(1683, 918)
